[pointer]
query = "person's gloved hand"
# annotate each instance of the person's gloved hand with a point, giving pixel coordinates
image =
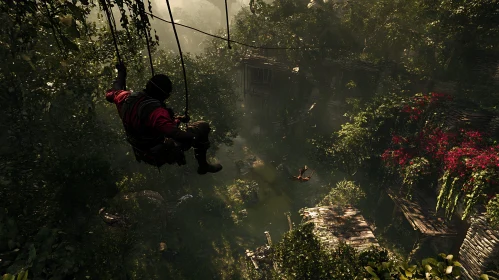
(121, 68)
(184, 119)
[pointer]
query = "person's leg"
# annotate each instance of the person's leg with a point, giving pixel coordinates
(167, 152)
(202, 129)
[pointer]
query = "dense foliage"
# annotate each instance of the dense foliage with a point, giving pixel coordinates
(422, 150)
(355, 143)
(344, 193)
(63, 154)
(300, 255)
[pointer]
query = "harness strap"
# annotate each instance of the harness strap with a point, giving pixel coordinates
(144, 106)
(153, 150)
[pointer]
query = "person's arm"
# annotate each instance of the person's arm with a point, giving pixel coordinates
(119, 84)
(177, 120)
(120, 81)
(161, 120)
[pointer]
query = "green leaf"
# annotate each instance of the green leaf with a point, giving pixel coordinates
(66, 20)
(69, 44)
(448, 270)
(73, 30)
(23, 275)
(427, 268)
(456, 271)
(370, 270)
(11, 244)
(26, 57)
(8, 277)
(412, 268)
(484, 277)
(32, 253)
(76, 12)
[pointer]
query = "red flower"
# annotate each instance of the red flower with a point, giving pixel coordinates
(461, 154)
(398, 139)
(439, 96)
(396, 157)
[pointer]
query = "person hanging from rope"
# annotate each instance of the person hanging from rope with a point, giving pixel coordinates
(300, 177)
(151, 127)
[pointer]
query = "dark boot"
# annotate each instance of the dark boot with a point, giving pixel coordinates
(204, 166)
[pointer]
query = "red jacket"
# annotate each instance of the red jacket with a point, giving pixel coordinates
(159, 120)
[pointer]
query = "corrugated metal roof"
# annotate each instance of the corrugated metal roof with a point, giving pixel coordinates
(262, 61)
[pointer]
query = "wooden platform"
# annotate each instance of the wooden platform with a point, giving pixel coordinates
(422, 215)
(334, 224)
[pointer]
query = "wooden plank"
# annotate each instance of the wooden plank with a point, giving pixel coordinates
(420, 216)
(346, 224)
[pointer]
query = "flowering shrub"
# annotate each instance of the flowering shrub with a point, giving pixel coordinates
(436, 142)
(419, 102)
(416, 169)
(399, 157)
(468, 165)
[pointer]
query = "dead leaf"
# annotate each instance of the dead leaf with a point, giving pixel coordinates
(162, 246)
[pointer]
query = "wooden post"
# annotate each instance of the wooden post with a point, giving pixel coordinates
(417, 245)
(289, 221)
(251, 255)
(269, 239)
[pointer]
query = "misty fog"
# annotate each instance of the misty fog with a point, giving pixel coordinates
(199, 14)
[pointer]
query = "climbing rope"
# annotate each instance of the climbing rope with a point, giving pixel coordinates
(113, 20)
(106, 9)
(181, 59)
(227, 18)
(146, 34)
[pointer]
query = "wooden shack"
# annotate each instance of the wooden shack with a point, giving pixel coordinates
(480, 249)
(260, 75)
(271, 90)
(346, 224)
(433, 231)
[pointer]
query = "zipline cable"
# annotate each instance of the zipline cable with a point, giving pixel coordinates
(181, 59)
(147, 34)
(227, 18)
(240, 43)
(105, 7)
